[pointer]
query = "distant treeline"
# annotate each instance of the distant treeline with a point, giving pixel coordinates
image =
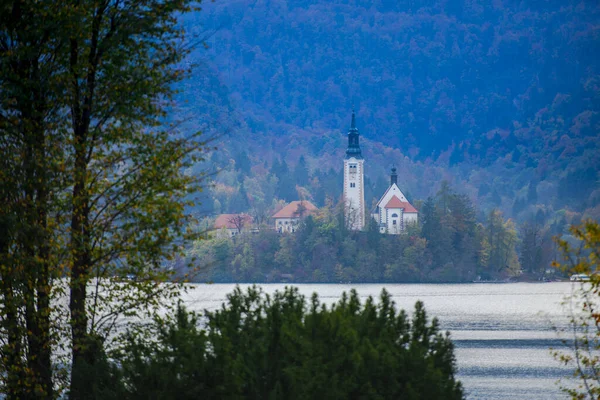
(448, 245)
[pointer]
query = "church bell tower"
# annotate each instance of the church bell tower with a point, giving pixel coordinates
(354, 193)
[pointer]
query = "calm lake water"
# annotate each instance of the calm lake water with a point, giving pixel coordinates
(502, 332)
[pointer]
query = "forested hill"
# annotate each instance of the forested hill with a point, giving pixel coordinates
(501, 97)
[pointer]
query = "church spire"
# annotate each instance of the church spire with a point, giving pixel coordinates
(393, 177)
(353, 149)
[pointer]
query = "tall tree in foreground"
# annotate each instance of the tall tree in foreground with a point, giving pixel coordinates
(127, 202)
(86, 87)
(583, 332)
(32, 134)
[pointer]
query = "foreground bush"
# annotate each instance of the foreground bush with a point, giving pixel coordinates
(281, 347)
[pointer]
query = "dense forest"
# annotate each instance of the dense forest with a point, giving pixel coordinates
(499, 98)
(448, 245)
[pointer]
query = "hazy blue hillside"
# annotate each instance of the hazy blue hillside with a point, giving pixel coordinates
(500, 97)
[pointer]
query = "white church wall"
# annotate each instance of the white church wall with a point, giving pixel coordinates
(410, 218)
(354, 192)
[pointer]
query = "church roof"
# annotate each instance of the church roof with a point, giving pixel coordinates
(353, 150)
(395, 202)
(291, 210)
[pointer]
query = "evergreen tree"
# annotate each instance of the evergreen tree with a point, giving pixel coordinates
(297, 350)
(284, 170)
(465, 244)
(429, 219)
(242, 163)
(301, 172)
(501, 242)
(531, 248)
(286, 187)
(432, 230)
(276, 167)
(238, 203)
(320, 196)
(443, 197)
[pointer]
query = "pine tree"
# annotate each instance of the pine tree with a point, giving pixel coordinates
(443, 197)
(531, 254)
(276, 167)
(429, 219)
(243, 163)
(432, 231)
(301, 172)
(238, 203)
(502, 240)
(298, 349)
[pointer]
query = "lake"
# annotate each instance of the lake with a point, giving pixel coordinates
(502, 332)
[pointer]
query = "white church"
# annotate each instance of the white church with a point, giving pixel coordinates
(393, 212)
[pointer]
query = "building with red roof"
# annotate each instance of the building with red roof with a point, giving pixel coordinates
(288, 218)
(232, 224)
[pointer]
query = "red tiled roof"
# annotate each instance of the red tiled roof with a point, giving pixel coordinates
(228, 221)
(395, 202)
(291, 210)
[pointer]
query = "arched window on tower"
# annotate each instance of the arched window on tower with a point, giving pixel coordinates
(394, 215)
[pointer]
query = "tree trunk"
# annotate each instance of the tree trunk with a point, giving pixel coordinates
(36, 255)
(79, 272)
(42, 365)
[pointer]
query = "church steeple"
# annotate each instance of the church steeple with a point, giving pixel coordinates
(393, 177)
(353, 149)
(354, 182)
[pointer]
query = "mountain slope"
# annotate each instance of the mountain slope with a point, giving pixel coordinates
(498, 97)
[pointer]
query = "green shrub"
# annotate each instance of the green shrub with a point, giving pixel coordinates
(282, 347)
